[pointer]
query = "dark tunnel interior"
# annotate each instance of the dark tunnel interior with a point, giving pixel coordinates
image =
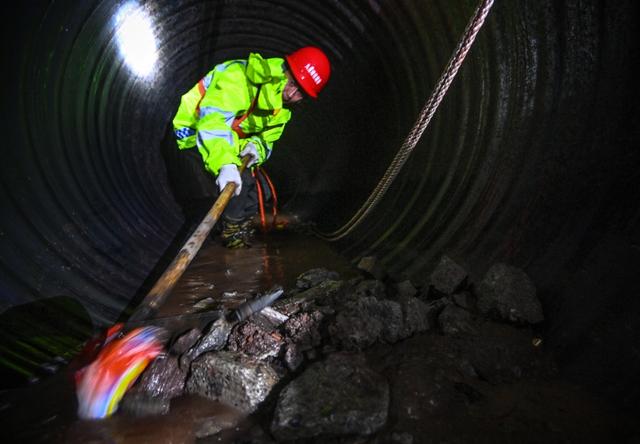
(531, 159)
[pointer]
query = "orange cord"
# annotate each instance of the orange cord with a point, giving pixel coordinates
(274, 195)
(260, 201)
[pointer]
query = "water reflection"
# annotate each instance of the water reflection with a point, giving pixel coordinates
(230, 276)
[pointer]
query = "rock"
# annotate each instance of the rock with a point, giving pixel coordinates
(454, 320)
(448, 277)
(252, 340)
(434, 308)
(311, 355)
(365, 321)
(141, 404)
(233, 378)
(293, 357)
(405, 289)
(304, 329)
(369, 288)
(338, 396)
(321, 295)
(466, 369)
(162, 379)
(465, 300)
(268, 318)
(185, 341)
(314, 277)
(204, 304)
(392, 321)
(506, 293)
(352, 333)
(415, 314)
(214, 339)
(370, 265)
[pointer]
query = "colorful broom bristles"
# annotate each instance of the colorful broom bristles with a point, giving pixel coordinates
(101, 385)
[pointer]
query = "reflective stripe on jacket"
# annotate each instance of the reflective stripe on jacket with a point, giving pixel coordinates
(207, 111)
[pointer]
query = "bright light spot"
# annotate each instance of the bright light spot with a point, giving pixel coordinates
(135, 39)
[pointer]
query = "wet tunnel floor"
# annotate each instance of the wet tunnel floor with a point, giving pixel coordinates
(430, 402)
(229, 276)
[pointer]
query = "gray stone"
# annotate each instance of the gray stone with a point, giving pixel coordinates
(365, 321)
(252, 340)
(204, 304)
(162, 379)
(405, 289)
(506, 293)
(271, 317)
(314, 277)
(185, 341)
(448, 277)
(370, 288)
(311, 355)
(308, 300)
(338, 396)
(454, 320)
(214, 339)
(304, 329)
(371, 266)
(233, 378)
(465, 300)
(434, 308)
(293, 357)
(392, 321)
(354, 332)
(415, 314)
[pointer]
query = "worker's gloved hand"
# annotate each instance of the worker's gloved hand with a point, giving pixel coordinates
(250, 148)
(229, 173)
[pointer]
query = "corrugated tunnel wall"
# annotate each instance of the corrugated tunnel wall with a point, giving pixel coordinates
(532, 159)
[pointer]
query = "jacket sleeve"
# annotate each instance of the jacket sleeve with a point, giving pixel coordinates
(217, 142)
(264, 141)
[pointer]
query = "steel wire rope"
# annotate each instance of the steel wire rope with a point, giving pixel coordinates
(427, 112)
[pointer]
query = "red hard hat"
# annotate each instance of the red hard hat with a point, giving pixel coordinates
(311, 69)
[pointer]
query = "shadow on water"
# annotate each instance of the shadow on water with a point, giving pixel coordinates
(39, 337)
(38, 340)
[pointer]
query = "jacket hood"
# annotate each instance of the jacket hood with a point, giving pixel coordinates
(260, 70)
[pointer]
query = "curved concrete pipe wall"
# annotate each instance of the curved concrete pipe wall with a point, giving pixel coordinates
(531, 159)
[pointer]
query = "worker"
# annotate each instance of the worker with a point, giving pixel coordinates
(239, 108)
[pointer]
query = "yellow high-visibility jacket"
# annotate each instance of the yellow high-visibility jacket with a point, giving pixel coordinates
(208, 111)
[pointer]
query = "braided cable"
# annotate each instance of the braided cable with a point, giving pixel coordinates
(427, 112)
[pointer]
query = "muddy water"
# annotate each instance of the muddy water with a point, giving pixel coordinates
(45, 412)
(178, 427)
(229, 276)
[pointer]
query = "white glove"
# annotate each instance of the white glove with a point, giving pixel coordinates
(229, 173)
(250, 148)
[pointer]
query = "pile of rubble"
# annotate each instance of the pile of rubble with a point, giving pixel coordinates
(302, 364)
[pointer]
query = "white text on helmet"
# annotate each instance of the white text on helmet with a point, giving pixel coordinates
(313, 73)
